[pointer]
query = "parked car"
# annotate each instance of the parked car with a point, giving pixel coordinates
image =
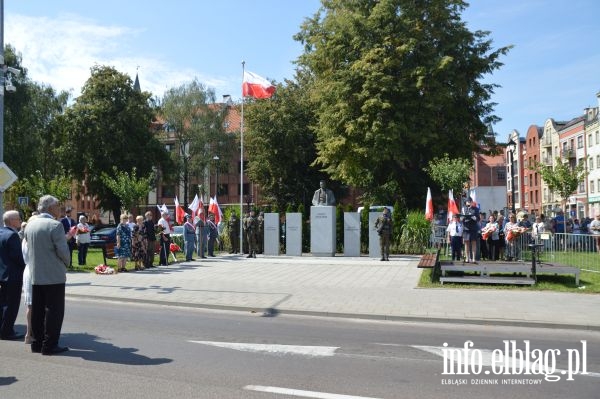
(103, 236)
(177, 231)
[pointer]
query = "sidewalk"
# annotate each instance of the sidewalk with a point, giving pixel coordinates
(337, 287)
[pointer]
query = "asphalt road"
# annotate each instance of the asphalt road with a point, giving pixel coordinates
(147, 351)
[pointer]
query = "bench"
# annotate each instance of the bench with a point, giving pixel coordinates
(108, 251)
(429, 260)
(485, 270)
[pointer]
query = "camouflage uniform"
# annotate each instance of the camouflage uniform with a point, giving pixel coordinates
(251, 230)
(383, 224)
(233, 227)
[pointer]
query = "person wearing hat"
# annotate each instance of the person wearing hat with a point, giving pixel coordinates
(384, 227)
(189, 238)
(470, 221)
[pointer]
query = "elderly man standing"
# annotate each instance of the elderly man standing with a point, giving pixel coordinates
(11, 274)
(48, 260)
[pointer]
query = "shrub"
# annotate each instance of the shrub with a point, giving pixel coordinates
(415, 233)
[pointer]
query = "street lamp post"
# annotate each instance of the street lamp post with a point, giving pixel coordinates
(512, 146)
(216, 159)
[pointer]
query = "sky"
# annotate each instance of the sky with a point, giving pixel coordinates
(552, 71)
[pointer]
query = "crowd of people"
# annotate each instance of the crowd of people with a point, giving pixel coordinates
(473, 235)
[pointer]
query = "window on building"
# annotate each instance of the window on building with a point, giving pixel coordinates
(500, 174)
(537, 196)
(592, 187)
(582, 186)
(590, 142)
(579, 142)
(591, 163)
(170, 147)
(597, 160)
(545, 195)
(223, 189)
(597, 138)
(168, 191)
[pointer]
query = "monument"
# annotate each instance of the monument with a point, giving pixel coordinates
(322, 222)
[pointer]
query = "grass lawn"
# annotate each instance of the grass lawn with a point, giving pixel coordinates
(94, 258)
(589, 282)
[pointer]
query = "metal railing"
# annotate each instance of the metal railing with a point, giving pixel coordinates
(579, 250)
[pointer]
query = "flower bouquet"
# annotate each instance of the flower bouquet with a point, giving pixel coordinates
(487, 231)
(514, 233)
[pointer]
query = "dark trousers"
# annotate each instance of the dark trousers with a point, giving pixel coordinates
(456, 245)
(149, 261)
(47, 313)
(211, 246)
(164, 250)
(10, 299)
(82, 250)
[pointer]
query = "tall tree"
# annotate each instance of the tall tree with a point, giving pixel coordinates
(396, 83)
(449, 174)
(562, 178)
(129, 188)
(109, 126)
(198, 124)
(281, 146)
(31, 124)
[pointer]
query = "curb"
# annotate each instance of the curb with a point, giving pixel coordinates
(272, 312)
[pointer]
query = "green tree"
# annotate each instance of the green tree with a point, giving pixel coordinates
(107, 129)
(30, 124)
(562, 178)
(449, 174)
(37, 185)
(396, 83)
(128, 187)
(198, 125)
(281, 146)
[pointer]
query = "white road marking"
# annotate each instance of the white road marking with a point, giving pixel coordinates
(317, 351)
(487, 358)
(302, 393)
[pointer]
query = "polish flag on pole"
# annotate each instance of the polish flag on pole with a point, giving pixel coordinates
(215, 209)
(474, 198)
(194, 205)
(429, 206)
(179, 212)
(452, 208)
(256, 86)
(200, 212)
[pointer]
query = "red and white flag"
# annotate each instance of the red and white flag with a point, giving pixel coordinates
(179, 212)
(200, 211)
(215, 209)
(452, 208)
(474, 199)
(429, 206)
(194, 205)
(256, 86)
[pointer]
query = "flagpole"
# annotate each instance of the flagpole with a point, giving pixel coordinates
(242, 165)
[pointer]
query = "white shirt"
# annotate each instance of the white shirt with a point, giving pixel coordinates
(165, 225)
(455, 229)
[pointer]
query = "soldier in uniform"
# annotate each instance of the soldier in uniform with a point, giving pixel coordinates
(260, 236)
(251, 229)
(383, 224)
(233, 227)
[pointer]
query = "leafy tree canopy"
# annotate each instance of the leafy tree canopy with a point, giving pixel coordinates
(109, 126)
(449, 174)
(129, 188)
(281, 146)
(198, 125)
(562, 178)
(396, 83)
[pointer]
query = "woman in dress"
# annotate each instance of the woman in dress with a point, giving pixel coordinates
(490, 232)
(138, 248)
(123, 246)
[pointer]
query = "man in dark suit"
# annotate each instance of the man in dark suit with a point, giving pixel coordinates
(68, 222)
(48, 261)
(150, 240)
(11, 274)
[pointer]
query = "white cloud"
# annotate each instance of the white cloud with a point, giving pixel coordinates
(60, 52)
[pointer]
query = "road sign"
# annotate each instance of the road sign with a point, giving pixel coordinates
(7, 177)
(23, 201)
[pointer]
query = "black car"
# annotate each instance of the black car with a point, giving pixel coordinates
(103, 236)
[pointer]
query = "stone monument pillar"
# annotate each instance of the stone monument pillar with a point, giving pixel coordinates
(271, 234)
(322, 230)
(293, 234)
(351, 234)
